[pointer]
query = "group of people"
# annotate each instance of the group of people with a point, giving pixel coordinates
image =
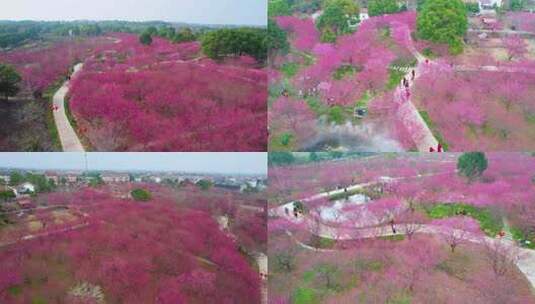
(406, 83)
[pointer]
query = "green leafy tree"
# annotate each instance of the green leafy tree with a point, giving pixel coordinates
(204, 184)
(472, 164)
(349, 7)
(236, 42)
(277, 39)
(420, 4)
(9, 81)
(16, 178)
(472, 7)
(382, 7)
(443, 21)
(7, 195)
(336, 15)
(278, 8)
(166, 32)
(145, 38)
(152, 30)
(516, 5)
(280, 158)
(140, 194)
(184, 35)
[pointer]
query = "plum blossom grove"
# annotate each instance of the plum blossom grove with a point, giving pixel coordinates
(154, 252)
(419, 210)
(154, 99)
(475, 100)
(162, 97)
(41, 67)
(320, 61)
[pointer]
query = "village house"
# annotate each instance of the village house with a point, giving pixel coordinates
(115, 177)
(5, 178)
(489, 4)
(52, 176)
(25, 188)
(71, 178)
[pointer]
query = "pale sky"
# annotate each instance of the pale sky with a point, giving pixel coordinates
(206, 162)
(240, 12)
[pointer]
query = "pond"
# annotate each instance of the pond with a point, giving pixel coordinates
(336, 213)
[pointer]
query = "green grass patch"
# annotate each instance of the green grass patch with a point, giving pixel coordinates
(489, 223)
(409, 62)
(48, 95)
(394, 78)
(345, 71)
(304, 295)
(316, 105)
(434, 130)
(364, 100)
(336, 115)
(519, 236)
(15, 290)
(321, 242)
(530, 118)
(289, 69)
(39, 300)
(395, 237)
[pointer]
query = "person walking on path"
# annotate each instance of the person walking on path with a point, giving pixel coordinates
(392, 225)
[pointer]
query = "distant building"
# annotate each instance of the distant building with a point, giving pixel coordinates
(71, 178)
(363, 15)
(489, 4)
(156, 179)
(52, 176)
(115, 177)
(25, 188)
(5, 178)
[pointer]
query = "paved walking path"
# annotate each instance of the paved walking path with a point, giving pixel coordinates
(407, 111)
(69, 140)
(262, 262)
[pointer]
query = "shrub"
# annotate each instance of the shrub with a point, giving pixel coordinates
(472, 164)
(141, 194)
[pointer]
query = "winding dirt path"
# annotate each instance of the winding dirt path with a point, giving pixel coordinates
(69, 140)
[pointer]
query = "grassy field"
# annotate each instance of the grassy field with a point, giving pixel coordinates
(489, 223)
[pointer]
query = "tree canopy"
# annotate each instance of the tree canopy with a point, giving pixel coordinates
(280, 158)
(472, 164)
(382, 7)
(443, 21)
(145, 38)
(140, 194)
(184, 35)
(278, 8)
(9, 81)
(277, 39)
(236, 42)
(335, 18)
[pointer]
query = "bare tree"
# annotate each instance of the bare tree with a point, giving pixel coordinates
(501, 255)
